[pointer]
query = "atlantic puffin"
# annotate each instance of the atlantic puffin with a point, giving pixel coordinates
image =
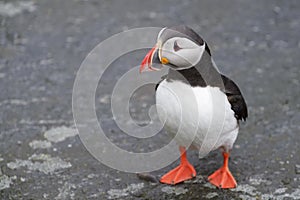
(198, 104)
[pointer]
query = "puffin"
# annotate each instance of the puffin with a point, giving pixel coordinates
(199, 106)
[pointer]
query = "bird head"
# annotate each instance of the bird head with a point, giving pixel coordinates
(178, 47)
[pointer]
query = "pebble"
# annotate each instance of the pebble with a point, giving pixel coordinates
(280, 190)
(105, 99)
(258, 179)
(2, 75)
(59, 134)
(121, 193)
(247, 189)
(70, 39)
(251, 44)
(147, 177)
(211, 195)
(40, 144)
(152, 15)
(259, 70)
(297, 169)
(174, 190)
(90, 176)
(281, 162)
(255, 29)
(277, 9)
(268, 37)
(286, 181)
(9, 9)
(46, 62)
(5, 182)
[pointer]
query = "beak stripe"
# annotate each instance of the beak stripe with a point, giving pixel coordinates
(148, 60)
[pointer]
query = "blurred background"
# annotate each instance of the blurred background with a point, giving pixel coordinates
(43, 43)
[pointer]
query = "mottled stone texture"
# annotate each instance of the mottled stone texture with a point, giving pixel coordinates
(42, 44)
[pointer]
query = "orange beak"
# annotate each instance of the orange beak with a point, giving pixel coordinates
(148, 60)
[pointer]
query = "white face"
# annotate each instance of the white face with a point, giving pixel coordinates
(181, 52)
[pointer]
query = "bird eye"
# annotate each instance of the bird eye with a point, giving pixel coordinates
(176, 47)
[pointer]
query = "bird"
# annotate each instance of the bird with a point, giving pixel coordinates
(200, 107)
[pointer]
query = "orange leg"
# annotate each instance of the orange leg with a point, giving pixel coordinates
(184, 171)
(223, 178)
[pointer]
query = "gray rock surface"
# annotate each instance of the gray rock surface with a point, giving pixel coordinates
(42, 44)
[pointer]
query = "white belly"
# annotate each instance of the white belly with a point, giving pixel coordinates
(198, 116)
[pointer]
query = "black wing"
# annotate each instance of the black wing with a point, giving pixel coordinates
(162, 78)
(235, 98)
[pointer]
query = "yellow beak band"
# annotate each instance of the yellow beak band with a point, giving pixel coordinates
(164, 61)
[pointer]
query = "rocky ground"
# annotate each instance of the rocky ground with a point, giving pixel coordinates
(43, 43)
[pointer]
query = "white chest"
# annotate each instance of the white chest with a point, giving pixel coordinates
(200, 116)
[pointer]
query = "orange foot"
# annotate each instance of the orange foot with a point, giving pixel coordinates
(183, 172)
(223, 178)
